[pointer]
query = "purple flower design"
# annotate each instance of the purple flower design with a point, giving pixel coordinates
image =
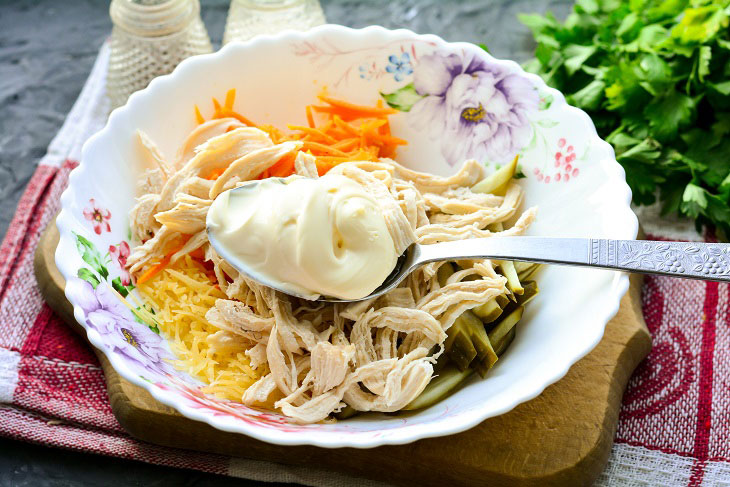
(116, 324)
(477, 109)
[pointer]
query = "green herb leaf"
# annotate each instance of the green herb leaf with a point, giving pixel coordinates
(703, 62)
(576, 55)
(590, 96)
(722, 88)
(667, 113)
(537, 23)
(694, 201)
(700, 24)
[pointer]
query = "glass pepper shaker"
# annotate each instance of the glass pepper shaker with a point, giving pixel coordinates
(248, 18)
(150, 38)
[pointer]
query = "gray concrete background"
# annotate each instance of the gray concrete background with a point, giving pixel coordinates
(47, 48)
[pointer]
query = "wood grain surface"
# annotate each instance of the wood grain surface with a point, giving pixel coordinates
(563, 437)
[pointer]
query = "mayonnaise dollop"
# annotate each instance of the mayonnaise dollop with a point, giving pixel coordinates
(310, 237)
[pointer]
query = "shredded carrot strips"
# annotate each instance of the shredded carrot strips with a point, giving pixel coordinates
(156, 268)
(346, 144)
(310, 117)
(388, 139)
(346, 105)
(198, 116)
(274, 133)
(345, 126)
(198, 254)
(216, 173)
(225, 112)
(316, 146)
(152, 271)
(230, 99)
(283, 168)
(314, 132)
(372, 125)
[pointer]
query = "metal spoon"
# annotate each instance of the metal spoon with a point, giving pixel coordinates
(708, 261)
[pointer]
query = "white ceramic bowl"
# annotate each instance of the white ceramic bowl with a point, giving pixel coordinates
(275, 77)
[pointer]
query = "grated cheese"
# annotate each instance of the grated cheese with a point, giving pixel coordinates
(180, 296)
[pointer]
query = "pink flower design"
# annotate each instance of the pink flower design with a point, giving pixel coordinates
(121, 252)
(99, 217)
(563, 164)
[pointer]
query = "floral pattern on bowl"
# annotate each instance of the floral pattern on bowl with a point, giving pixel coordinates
(454, 101)
(476, 109)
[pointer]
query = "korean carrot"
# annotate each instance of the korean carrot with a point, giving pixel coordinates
(346, 132)
(314, 132)
(283, 168)
(362, 109)
(154, 269)
(198, 116)
(315, 146)
(230, 99)
(215, 173)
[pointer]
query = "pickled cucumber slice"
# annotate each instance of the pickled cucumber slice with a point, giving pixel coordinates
(513, 281)
(525, 270)
(346, 412)
(440, 387)
(460, 348)
(486, 356)
(488, 311)
(505, 342)
(502, 300)
(530, 291)
(497, 183)
(444, 272)
(505, 325)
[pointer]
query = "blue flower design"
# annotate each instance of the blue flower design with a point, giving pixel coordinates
(399, 66)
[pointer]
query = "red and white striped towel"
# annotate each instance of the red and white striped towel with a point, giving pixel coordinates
(674, 426)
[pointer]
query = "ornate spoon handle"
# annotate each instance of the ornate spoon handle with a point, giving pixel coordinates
(710, 261)
(695, 260)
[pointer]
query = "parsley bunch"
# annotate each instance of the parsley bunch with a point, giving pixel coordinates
(654, 75)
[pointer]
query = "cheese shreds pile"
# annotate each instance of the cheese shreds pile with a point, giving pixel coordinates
(181, 295)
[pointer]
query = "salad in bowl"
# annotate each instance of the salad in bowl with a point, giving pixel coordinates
(370, 140)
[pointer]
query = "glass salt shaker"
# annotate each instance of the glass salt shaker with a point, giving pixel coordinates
(150, 38)
(248, 18)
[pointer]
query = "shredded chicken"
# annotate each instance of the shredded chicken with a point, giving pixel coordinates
(372, 355)
(202, 133)
(305, 165)
(187, 216)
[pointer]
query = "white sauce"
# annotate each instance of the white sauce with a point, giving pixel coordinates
(310, 237)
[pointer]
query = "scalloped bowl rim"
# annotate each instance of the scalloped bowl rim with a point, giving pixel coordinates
(440, 427)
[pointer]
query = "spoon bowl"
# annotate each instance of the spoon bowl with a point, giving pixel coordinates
(676, 259)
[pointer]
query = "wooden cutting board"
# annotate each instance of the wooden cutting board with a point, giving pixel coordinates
(563, 437)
